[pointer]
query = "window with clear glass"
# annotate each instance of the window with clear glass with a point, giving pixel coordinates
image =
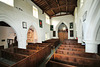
(35, 12)
(47, 19)
(9, 2)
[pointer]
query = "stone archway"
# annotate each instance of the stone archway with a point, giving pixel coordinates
(92, 33)
(8, 36)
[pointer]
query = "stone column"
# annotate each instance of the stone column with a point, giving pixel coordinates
(91, 47)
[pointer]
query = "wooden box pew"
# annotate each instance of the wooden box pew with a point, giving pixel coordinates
(54, 42)
(40, 44)
(9, 59)
(46, 45)
(4, 64)
(24, 51)
(34, 47)
(74, 46)
(1, 47)
(76, 53)
(67, 43)
(78, 61)
(47, 48)
(41, 54)
(70, 40)
(33, 60)
(20, 51)
(52, 63)
(71, 49)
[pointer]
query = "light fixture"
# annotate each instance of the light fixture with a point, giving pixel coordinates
(64, 28)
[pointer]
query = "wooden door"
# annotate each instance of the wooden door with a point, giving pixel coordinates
(62, 35)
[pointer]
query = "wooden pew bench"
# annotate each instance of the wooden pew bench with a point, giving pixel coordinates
(54, 42)
(57, 64)
(1, 47)
(46, 45)
(40, 44)
(42, 53)
(72, 46)
(31, 60)
(67, 43)
(21, 51)
(76, 53)
(71, 49)
(13, 59)
(75, 60)
(34, 47)
(47, 48)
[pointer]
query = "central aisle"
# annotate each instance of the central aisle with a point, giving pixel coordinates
(47, 59)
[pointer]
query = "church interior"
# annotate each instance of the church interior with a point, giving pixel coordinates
(49, 33)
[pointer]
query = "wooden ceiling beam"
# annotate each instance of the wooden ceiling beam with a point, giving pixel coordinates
(66, 6)
(59, 7)
(61, 15)
(63, 12)
(36, 4)
(57, 2)
(49, 6)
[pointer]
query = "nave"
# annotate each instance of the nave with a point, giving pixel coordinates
(50, 53)
(49, 33)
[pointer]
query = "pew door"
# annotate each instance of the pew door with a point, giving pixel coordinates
(62, 35)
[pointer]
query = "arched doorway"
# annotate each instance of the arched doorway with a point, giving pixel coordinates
(32, 35)
(8, 36)
(62, 32)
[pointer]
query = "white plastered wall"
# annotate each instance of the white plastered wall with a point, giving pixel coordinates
(67, 19)
(14, 17)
